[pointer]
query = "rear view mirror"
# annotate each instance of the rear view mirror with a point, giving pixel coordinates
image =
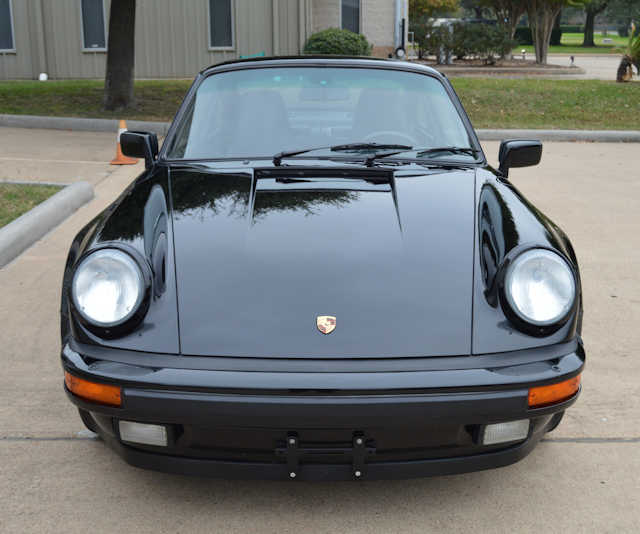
(140, 145)
(519, 153)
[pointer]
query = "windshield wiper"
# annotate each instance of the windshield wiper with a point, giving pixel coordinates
(277, 158)
(421, 153)
(369, 161)
(451, 149)
(370, 146)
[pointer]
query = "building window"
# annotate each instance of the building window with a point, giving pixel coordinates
(220, 23)
(93, 29)
(6, 27)
(351, 15)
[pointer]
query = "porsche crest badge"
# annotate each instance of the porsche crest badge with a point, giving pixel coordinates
(326, 323)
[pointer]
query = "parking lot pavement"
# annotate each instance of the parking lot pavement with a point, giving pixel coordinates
(57, 156)
(583, 477)
(596, 66)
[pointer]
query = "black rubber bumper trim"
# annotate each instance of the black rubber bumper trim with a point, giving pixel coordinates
(291, 413)
(320, 472)
(318, 411)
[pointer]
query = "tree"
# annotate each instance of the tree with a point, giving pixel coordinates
(592, 8)
(508, 13)
(542, 15)
(477, 7)
(118, 82)
(623, 13)
(420, 11)
(429, 8)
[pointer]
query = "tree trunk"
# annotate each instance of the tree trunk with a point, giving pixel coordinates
(542, 15)
(589, 25)
(514, 15)
(118, 83)
(508, 14)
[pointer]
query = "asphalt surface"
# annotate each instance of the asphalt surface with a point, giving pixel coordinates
(585, 477)
(596, 66)
(55, 156)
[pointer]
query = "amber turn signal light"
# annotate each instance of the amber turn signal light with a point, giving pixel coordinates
(553, 393)
(93, 392)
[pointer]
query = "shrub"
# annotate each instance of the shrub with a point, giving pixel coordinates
(556, 37)
(421, 28)
(438, 39)
(523, 36)
(576, 28)
(335, 41)
(623, 31)
(464, 40)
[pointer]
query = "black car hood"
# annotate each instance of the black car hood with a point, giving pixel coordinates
(258, 259)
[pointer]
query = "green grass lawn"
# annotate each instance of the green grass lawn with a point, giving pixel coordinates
(16, 199)
(156, 100)
(491, 102)
(559, 104)
(571, 44)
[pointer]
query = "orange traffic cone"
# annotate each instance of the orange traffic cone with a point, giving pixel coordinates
(120, 158)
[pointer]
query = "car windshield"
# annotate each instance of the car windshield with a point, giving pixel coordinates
(255, 113)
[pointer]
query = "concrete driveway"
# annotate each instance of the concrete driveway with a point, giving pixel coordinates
(583, 477)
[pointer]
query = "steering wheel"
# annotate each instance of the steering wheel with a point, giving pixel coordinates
(400, 138)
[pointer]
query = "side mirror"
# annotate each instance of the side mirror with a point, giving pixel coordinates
(140, 145)
(519, 153)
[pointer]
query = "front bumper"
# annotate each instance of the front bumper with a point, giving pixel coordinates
(235, 418)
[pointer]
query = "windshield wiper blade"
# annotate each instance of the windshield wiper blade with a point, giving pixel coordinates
(277, 158)
(370, 146)
(451, 149)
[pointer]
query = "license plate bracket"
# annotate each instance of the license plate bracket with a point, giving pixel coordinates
(294, 452)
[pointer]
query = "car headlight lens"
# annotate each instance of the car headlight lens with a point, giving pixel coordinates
(107, 287)
(540, 287)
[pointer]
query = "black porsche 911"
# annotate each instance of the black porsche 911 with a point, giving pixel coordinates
(318, 276)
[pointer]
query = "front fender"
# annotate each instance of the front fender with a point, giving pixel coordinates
(140, 219)
(506, 220)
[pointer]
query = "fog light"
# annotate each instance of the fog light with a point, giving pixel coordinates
(143, 433)
(505, 432)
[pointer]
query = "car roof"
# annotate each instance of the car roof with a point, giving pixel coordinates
(319, 60)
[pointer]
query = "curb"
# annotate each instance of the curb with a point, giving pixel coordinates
(21, 233)
(510, 71)
(592, 136)
(161, 128)
(80, 124)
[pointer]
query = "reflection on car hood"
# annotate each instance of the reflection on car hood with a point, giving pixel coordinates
(258, 260)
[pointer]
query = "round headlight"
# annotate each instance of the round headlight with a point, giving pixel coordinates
(540, 287)
(108, 287)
